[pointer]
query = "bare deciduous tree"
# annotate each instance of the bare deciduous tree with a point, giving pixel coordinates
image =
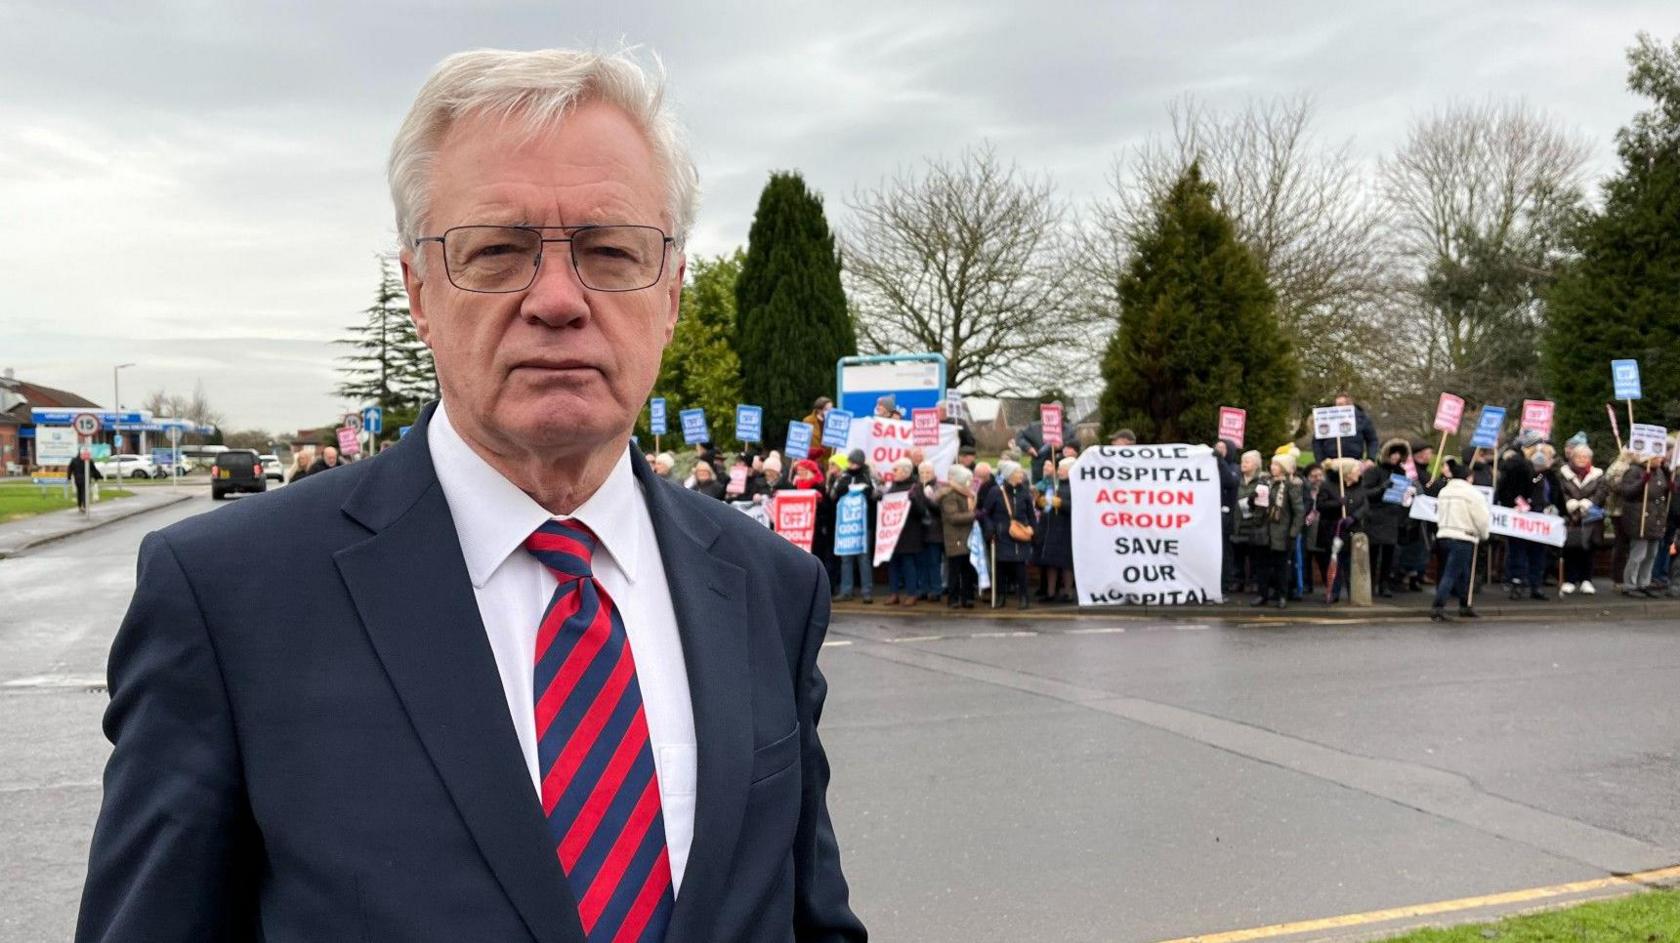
(1301, 206)
(975, 260)
(1480, 198)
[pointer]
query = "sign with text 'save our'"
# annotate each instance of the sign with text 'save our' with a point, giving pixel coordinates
(799, 440)
(1624, 376)
(1147, 525)
(885, 441)
(837, 427)
(657, 417)
(1449, 413)
(1488, 427)
(1233, 424)
(694, 426)
(749, 423)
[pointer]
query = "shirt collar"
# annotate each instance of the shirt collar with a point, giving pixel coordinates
(493, 517)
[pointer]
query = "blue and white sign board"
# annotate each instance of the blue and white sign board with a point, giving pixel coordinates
(851, 525)
(1488, 426)
(46, 416)
(403, 431)
(694, 426)
(837, 428)
(54, 445)
(373, 419)
(1398, 485)
(749, 423)
(914, 381)
(1625, 375)
(656, 416)
(799, 439)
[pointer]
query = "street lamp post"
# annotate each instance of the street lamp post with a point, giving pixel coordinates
(116, 415)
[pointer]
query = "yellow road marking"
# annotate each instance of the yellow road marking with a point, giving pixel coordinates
(1627, 882)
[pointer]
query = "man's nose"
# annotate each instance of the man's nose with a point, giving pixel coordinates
(557, 298)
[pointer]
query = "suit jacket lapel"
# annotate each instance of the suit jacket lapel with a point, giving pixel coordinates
(416, 602)
(709, 597)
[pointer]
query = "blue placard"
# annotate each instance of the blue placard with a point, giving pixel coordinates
(851, 525)
(656, 416)
(749, 423)
(799, 439)
(694, 426)
(403, 430)
(1398, 485)
(1488, 426)
(373, 420)
(837, 429)
(1625, 375)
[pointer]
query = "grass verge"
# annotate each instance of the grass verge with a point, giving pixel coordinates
(1648, 917)
(18, 501)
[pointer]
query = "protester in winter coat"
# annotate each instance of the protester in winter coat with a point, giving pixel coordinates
(1359, 446)
(1585, 489)
(956, 519)
(301, 461)
(815, 419)
(1416, 537)
(706, 482)
(1244, 538)
(931, 563)
(1030, 440)
(1389, 510)
(1462, 523)
(1341, 508)
(1276, 505)
(1056, 517)
(1524, 487)
(1012, 502)
(1311, 523)
(1479, 463)
(903, 574)
(856, 481)
(1613, 514)
(1646, 491)
(1225, 452)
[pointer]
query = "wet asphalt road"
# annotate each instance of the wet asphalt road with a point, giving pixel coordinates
(1092, 779)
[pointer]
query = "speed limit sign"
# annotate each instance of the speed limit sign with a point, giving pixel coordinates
(86, 424)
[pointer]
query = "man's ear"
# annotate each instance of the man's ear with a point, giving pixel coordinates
(412, 281)
(674, 298)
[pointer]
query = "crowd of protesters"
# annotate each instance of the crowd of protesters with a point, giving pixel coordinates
(1289, 517)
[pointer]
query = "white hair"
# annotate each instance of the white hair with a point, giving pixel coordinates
(537, 89)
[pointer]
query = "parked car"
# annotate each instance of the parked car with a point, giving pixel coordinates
(272, 469)
(129, 466)
(236, 470)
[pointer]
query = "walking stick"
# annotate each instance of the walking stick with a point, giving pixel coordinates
(1470, 595)
(992, 549)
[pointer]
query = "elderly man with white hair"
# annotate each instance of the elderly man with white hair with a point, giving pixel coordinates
(502, 682)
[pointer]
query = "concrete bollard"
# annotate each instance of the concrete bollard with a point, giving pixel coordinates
(1359, 579)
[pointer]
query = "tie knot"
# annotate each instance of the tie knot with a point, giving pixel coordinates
(567, 548)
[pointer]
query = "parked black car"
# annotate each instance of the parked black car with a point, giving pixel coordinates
(236, 470)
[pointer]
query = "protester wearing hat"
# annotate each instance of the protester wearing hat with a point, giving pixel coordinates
(1462, 523)
(956, 521)
(1585, 489)
(855, 480)
(808, 476)
(1646, 490)
(1382, 524)
(1520, 487)
(1011, 502)
(1278, 515)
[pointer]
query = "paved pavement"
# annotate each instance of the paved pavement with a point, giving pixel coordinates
(1101, 777)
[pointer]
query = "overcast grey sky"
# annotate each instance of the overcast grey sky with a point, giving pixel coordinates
(198, 187)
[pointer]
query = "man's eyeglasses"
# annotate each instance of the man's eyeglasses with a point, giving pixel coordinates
(500, 259)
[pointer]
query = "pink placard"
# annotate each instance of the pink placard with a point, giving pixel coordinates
(1449, 413)
(1537, 416)
(1233, 423)
(347, 444)
(924, 427)
(1050, 418)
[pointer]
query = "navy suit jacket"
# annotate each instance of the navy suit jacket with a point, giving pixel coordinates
(312, 743)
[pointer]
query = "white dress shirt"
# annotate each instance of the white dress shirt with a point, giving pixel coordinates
(492, 519)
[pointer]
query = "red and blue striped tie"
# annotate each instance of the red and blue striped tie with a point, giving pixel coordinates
(599, 788)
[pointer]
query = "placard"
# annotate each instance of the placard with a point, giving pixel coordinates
(347, 444)
(694, 426)
(1506, 522)
(1537, 417)
(1398, 485)
(1050, 420)
(1489, 425)
(749, 423)
(1233, 424)
(793, 514)
(737, 480)
(1335, 422)
(890, 514)
(799, 439)
(1449, 413)
(1624, 376)
(924, 427)
(656, 416)
(1146, 526)
(885, 441)
(977, 557)
(1647, 441)
(851, 525)
(837, 427)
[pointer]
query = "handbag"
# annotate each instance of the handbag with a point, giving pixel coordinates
(1019, 531)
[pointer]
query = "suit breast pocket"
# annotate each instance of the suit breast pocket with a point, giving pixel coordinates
(776, 758)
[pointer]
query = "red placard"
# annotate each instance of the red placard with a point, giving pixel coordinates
(1449, 413)
(1233, 423)
(1537, 416)
(794, 515)
(924, 427)
(1050, 418)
